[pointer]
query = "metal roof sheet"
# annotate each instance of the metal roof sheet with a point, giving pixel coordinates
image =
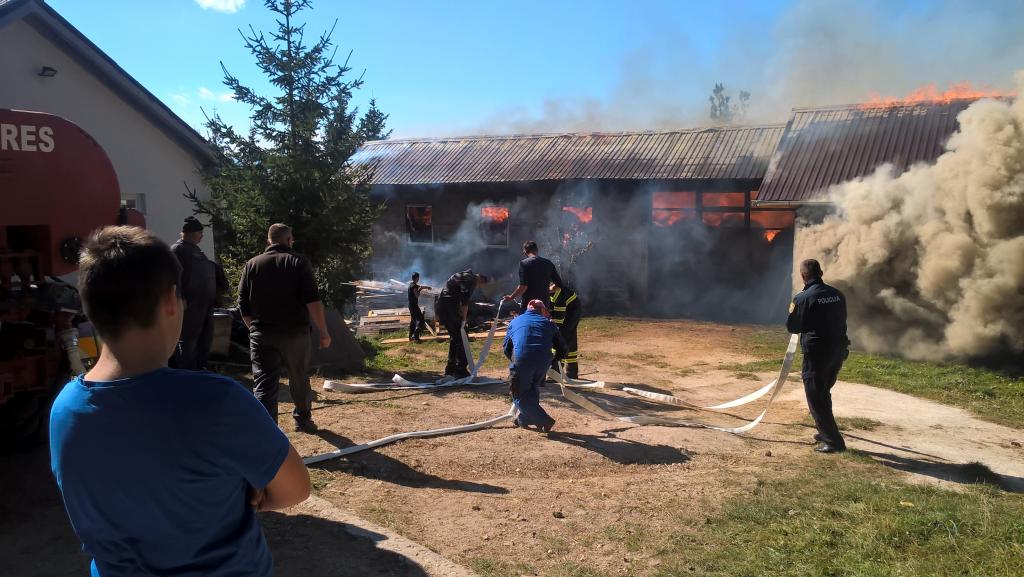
(709, 153)
(823, 147)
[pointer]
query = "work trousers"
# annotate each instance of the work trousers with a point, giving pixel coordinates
(196, 338)
(417, 323)
(568, 328)
(272, 351)
(525, 380)
(820, 371)
(448, 315)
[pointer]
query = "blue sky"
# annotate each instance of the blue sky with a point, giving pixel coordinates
(449, 67)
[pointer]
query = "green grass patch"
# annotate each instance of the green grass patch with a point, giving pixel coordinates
(839, 517)
(988, 393)
(747, 376)
(859, 423)
(602, 326)
(498, 568)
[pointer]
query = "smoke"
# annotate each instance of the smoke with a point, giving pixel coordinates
(816, 53)
(618, 262)
(932, 260)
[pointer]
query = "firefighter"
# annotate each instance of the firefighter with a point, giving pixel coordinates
(818, 314)
(529, 342)
(451, 309)
(418, 321)
(566, 311)
(199, 290)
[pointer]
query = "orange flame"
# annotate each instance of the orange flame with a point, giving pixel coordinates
(496, 214)
(585, 215)
(930, 94)
(770, 235)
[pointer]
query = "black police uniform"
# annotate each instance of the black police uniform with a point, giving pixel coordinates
(455, 294)
(418, 320)
(566, 311)
(818, 313)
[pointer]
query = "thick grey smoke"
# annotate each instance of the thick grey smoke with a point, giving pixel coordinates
(932, 260)
(817, 53)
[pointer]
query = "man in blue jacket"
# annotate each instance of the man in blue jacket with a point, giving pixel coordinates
(528, 344)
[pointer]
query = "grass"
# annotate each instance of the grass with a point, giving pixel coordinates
(497, 568)
(841, 517)
(859, 423)
(988, 393)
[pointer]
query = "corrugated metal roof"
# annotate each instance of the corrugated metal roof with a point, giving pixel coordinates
(710, 153)
(826, 146)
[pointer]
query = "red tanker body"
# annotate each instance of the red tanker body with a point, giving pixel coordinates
(56, 186)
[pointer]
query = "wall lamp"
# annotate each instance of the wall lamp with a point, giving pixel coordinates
(47, 72)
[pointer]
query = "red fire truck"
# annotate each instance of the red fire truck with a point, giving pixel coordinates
(56, 186)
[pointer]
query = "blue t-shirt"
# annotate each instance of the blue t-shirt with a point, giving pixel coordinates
(155, 471)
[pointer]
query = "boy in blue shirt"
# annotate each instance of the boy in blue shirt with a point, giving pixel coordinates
(528, 344)
(161, 470)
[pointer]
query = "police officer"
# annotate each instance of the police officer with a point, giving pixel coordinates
(566, 311)
(417, 321)
(199, 282)
(818, 314)
(451, 309)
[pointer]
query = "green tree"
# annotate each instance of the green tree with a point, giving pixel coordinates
(292, 165)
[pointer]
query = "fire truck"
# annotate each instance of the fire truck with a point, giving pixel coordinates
(56, 186)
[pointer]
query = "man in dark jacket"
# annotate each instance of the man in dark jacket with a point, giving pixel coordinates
(451, 309)
(529, 342)
(818, 314)
(536, 274)
(277, 296)
(199, 290)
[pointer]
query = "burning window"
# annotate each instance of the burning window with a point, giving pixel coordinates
(669, 208)
(419, 221)
(575, 225)
(494, 225)
(773, 221)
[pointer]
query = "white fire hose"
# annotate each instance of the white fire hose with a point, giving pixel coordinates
(774, 387)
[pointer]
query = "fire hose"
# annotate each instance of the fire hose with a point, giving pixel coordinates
(566, 384)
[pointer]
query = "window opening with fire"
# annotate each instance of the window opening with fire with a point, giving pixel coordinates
(494, 225)
(419, 221)
(718, 210)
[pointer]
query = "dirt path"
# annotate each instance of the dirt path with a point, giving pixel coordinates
(509, 501)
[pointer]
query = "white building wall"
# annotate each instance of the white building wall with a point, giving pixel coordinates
(147, 160)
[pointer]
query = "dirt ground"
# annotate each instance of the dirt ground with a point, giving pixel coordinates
(496, 498)
(500, 499)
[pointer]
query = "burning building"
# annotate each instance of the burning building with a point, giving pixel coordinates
(640, 222)
(698, 223)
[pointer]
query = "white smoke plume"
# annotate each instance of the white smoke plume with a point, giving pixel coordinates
(932, 260)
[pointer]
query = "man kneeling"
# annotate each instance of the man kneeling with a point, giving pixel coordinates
(162, 470)
(528, 344)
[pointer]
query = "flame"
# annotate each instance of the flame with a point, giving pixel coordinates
(769, 235)
(585, 215)
(930, 94)
(497, 214)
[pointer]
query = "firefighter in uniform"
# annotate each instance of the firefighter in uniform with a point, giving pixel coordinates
(566, 311)
(451, 309)
(818, 314)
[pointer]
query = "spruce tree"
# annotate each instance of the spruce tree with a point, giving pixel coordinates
(292, 165)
